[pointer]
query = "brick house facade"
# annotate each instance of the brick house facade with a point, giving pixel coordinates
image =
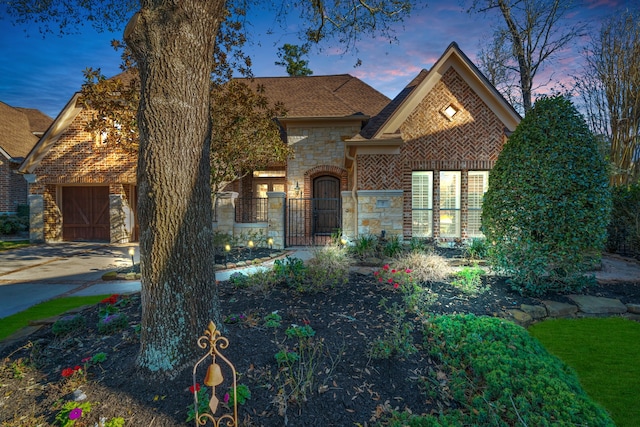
(413, 166)
(421, 165)
(79, 188)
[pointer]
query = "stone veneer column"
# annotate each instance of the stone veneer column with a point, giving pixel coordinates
(226, 211)
(36, 218)
(348, 216)
(380, 210)
(119, 213)
(276, 214)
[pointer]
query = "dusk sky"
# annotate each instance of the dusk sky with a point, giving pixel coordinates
(44, 73)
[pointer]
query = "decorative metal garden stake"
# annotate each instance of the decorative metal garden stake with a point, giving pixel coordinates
(214, 340)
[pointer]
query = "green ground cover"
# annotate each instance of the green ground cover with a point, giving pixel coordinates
(12, 244)
(55, 307)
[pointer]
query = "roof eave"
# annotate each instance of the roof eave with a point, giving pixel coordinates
(51, 136)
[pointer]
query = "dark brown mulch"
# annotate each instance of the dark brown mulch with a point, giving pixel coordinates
(349, 388)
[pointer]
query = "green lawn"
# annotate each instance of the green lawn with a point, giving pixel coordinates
(15, 322)
(13, 244)
(605, 353)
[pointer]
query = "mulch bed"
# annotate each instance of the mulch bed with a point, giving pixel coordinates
(349, 388)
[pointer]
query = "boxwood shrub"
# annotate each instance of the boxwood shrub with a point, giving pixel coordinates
(546, 211)
(498, 375)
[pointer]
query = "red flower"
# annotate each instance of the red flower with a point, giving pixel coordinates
(407, 271)
(67, 372)
(195, 389)
(86, 359)
(393, 271)
(76, 368)
(396, 285)
(376, 273)
(390, 280)
(386, 267)
(380, 280)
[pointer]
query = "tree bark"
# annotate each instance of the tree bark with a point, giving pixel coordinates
(173, 42)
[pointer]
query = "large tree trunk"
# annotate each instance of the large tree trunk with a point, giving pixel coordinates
(173, 43)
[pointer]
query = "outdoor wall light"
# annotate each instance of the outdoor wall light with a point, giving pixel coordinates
(297, 189)
(270, 242)
(251, 245)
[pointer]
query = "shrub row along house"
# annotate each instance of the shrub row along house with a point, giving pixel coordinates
(414, 166)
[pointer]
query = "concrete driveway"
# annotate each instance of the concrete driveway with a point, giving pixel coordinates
(38, 273)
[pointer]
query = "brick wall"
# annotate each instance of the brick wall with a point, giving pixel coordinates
(13, 187)
(471, 141)
(78, 159)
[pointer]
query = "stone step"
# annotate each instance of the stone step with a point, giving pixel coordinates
(583, 305)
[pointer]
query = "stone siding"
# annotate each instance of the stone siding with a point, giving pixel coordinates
(318, 150)
(380, 210)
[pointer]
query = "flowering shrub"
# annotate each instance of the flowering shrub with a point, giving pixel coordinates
(397, 279)
(416, 299)
(112, 323)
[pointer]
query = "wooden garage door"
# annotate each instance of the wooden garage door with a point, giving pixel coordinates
(85, 213)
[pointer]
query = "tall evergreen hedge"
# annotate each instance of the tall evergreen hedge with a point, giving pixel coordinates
(548, 203)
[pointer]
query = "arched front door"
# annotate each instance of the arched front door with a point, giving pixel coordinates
(326, 205)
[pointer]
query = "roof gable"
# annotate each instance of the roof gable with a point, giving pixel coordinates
(53, 133)
(387, 124)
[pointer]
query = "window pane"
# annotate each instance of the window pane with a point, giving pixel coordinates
(478, 184)
(450, 204)
(449, 223)
(422, 220)
(421, 203)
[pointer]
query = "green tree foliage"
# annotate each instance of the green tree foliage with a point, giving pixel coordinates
(624, 227)
(548, 203)
(291, 57)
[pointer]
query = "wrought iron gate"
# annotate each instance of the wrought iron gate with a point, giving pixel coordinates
(312, 221)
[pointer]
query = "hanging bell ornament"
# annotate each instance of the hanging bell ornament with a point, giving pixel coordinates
(214, 375)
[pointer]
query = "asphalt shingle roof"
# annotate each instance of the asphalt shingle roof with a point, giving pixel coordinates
(16, 126)
(337, 95)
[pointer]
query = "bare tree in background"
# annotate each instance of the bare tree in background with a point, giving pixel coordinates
(610, 89)
(173, 43)
(494, 61)
(533, 33)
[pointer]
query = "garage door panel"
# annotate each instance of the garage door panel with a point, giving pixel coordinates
(85, 213)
